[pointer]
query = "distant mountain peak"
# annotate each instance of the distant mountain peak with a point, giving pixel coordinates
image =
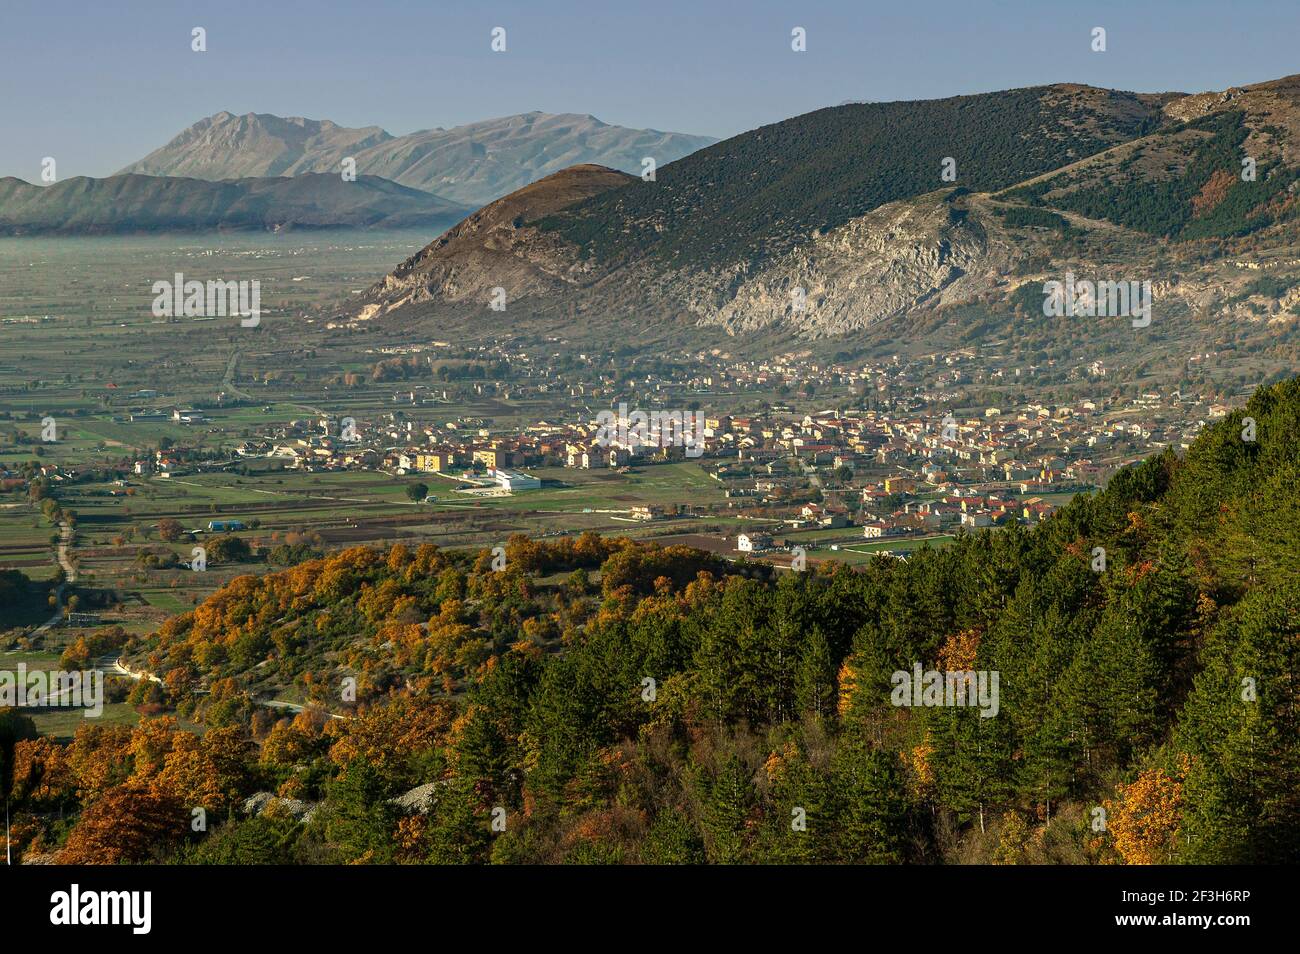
(471, 164)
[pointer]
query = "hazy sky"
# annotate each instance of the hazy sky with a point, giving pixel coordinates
(99, 83)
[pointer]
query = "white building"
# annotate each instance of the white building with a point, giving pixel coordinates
(513, 480)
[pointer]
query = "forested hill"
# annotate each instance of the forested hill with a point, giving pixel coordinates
(761, 192)
(148, 204)
(888, 226)
(1147, 713)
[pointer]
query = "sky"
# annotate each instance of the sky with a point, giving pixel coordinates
(97, 84)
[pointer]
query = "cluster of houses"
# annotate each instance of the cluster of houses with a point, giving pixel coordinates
(954, 508)
(900, 513)
(1034, 450)
(923, 463)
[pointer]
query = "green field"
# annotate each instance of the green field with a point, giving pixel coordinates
(60, 722)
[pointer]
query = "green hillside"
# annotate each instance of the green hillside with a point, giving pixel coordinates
(1182, 183)
(759, 192)
(1146, 641)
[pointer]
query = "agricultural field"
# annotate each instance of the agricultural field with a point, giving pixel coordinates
(82, 353)
(25, 541)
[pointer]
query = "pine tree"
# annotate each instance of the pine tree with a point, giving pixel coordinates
(814, 685)
(728, 801)
(871, 819)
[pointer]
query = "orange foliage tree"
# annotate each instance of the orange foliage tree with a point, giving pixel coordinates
(127, 824)
(1145, 817)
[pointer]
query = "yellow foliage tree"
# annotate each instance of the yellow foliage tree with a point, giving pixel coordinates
(1144, 818)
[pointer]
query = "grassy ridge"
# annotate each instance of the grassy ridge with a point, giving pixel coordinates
(758, 192)
(1208, 198)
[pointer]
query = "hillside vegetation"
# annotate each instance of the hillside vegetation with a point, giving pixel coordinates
(687, 710)
(1202, 190)
(762, 191)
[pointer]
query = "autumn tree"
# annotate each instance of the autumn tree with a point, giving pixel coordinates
(126, 825)
(1144, 818)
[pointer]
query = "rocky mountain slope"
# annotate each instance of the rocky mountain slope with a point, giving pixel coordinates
(226, 146)
(136, 203)
(495, 245)
(838, 225)
(471, 164)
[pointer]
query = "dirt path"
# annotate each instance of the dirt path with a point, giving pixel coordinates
(228, 382)
(70, 577)
(267, 703)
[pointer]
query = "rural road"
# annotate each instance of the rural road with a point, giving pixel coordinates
(65, 534)
(293, 707)
(70, 576)
(123, 671)
(228, 382)
(268, 703)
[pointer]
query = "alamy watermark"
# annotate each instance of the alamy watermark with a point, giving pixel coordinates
(651, 429)
(215, 299)
(129, 908)
(1103, 299)
(41, 688)
(935, 688)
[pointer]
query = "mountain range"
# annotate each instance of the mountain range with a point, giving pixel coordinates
(864, 222)
(137, 203)
(471, 164)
